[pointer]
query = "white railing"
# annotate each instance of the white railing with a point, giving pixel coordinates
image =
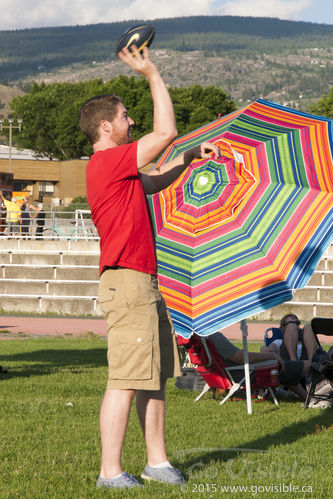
(52, 225)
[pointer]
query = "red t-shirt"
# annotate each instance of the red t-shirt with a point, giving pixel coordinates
(120, 210)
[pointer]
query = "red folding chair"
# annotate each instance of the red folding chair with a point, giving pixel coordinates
(211, 366)
(207, 363)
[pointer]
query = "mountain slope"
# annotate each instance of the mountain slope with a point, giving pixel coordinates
(286, 61)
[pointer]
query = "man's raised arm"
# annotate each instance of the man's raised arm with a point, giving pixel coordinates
(164, 128)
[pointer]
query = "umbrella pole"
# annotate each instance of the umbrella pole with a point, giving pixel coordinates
(244, 330)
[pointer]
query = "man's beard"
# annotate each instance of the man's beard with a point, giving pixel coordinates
(122, 138)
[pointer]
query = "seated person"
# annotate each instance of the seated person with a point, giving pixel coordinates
(291, 371)
(293, 337)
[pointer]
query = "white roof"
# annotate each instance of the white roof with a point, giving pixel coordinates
(18, 153)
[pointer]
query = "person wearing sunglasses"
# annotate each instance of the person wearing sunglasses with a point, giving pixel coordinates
(297, 345)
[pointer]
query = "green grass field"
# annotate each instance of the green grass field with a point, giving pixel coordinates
(50, 400)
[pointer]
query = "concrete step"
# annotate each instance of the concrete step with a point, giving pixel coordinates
(305, 294)
(329, 251)
(315, 280)
(77, 273)
(23, 272)
(45, 287)
(312, 295)
(305, 311)
(47, 245)
(50, 272)
(56, 258)
(80, 259)
(81, 306)
(321, 278)
(325, 264)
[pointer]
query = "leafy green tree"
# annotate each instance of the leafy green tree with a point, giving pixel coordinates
(50, 112)
(324, 106)
(196, 105)
(50, 119)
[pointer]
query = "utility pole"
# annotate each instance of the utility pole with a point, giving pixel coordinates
(10, 126)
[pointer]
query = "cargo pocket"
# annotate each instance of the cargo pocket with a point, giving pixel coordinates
(106, 298)
(130, 354)
(110, 297)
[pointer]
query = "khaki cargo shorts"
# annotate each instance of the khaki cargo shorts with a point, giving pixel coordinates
(142, 347)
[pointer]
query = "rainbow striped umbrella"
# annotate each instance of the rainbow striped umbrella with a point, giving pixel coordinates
(236, 236)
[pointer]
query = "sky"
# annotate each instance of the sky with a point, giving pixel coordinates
(20, 14)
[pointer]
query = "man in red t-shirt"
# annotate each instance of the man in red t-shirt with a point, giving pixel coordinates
(142, 351)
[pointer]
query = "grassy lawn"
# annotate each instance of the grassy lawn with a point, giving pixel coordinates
(50, 400)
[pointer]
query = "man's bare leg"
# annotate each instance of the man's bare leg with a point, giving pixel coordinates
(114, 415)
(151, 412)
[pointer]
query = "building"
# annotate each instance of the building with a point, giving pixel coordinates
(51, 182)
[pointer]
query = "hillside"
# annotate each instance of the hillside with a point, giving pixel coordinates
(296, 80)
(286, 61)
(6, 96)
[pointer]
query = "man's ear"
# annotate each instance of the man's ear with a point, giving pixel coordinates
(106, 126)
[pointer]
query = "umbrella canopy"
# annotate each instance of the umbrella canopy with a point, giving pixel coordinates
(236, 236)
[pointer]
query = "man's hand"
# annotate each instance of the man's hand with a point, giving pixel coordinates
(208, 150)
(138, 61)
(204, 150)
(163, 176)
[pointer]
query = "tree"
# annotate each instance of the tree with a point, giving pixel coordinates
(50, 112)
(324, 106)
(196, 106)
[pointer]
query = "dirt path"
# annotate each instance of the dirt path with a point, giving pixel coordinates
(14, 327)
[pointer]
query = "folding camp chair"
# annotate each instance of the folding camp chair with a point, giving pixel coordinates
(272, 334)
(322, 326)
(211, 366)
(320, 386)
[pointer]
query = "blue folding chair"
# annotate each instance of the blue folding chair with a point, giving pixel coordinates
(272, 334)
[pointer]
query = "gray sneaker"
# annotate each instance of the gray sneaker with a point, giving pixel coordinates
(166, 475)
(124, 481)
